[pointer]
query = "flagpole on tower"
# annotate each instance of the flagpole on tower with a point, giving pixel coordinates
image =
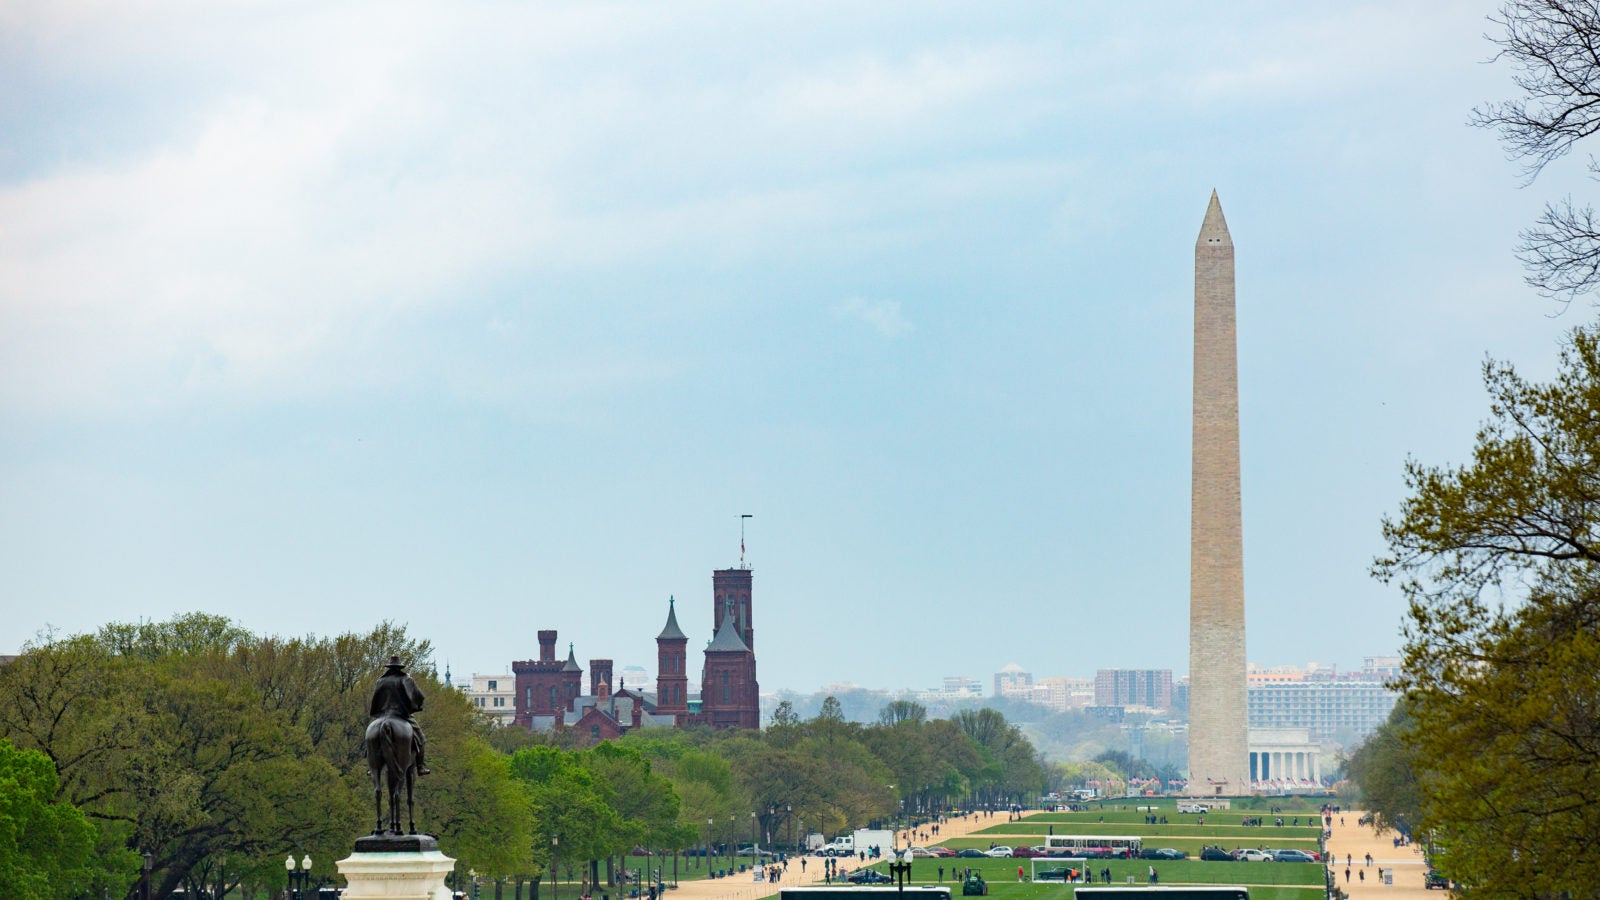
(741, 538)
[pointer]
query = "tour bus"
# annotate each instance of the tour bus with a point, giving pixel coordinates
(1160, 892)
(864, 892)
(1074, 845)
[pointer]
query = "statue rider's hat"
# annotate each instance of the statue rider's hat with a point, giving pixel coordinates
(395, 664)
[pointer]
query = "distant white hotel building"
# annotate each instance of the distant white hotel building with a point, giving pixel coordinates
(494, 695)
(1332, 706)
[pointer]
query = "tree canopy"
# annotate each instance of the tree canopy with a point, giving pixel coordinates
(1500, 563)
(219, 752)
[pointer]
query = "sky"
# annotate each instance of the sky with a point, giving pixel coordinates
(493, 317)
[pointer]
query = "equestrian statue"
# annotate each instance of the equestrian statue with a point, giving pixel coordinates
(394, 744)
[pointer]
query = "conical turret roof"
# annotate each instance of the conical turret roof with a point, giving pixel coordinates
(672, 632)
(727, 638)
(572, 661)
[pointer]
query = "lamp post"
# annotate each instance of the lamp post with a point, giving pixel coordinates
(149, 866)
(901, 870)
(288, 865)
(788, 813)
(555, 875)
(710, 824)
(753, 840)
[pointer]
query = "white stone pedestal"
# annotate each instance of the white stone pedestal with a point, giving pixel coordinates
(396, 876)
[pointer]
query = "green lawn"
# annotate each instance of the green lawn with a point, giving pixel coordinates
(1184, 871)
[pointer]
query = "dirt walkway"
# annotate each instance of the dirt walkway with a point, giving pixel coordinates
(743, 887)
(1357, 841)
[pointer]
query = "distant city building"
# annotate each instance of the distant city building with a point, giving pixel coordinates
(963, 685)
(956, 689)
(1343, 709)
(636, 677)
(1013, 682)
(495, 695)
(1380, 666)
(1133, 687)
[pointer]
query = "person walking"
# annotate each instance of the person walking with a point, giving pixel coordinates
(1346, 874)
(1019, 874)
(941, 874)
(1152, 874)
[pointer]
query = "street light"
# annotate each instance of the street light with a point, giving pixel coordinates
(901, 870)
(753, 840)
(555, 883)
(788, 813)
(149, 866)
(288, 865)
(710, 824)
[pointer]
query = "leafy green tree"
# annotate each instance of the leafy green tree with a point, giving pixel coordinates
(1498, 560)
(1385, 767)
(897, 711)
(568, 804)
(47, 847)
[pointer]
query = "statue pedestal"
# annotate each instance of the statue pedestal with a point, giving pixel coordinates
(395, 867)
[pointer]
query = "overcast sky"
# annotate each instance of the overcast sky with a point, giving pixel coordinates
(493, 317)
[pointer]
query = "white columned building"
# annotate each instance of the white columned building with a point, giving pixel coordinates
(1283, 758)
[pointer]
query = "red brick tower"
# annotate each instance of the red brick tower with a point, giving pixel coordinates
(540, 688)
(599, 674)
(732, 586)
(729, 694)
(672, 676)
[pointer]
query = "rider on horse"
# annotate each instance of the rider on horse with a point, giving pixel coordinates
(397, 695)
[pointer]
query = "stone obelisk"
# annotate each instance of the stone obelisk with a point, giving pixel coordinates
(1218, 730)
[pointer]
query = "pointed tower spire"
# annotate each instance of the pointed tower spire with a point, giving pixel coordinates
(672, 632)
(1214, 229)
(572, 660)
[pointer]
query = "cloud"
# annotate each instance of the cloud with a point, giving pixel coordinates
(885, 316)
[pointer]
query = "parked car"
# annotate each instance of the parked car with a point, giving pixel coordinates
(923, 853)
(1216, 854)
(1162, 853)
(868, 876)
(941, 851)
(972, 853)
(1001, 852)
(1250, 854)
(1061, 874)
(1025, 852)
(1292, 856)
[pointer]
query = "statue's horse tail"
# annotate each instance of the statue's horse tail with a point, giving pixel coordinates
(388, 742)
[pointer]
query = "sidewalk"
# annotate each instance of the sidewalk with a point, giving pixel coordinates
(1359, 840)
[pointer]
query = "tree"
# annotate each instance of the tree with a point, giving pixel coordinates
(47, 847)
(1554, 49)
(902, 711)
(1500, 564)
(1386, 768)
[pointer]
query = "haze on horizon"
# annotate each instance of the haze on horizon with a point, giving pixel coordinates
(501, 316)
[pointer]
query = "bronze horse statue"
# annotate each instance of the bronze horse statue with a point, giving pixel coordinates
(394, 745)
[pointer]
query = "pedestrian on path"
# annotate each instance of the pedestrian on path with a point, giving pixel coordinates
(1346, 874)
(1362, 875)
(941, 874)
(1152, 874)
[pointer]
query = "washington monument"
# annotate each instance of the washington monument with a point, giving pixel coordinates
(1219, 747)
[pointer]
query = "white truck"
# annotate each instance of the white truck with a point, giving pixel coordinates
(861, 840)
